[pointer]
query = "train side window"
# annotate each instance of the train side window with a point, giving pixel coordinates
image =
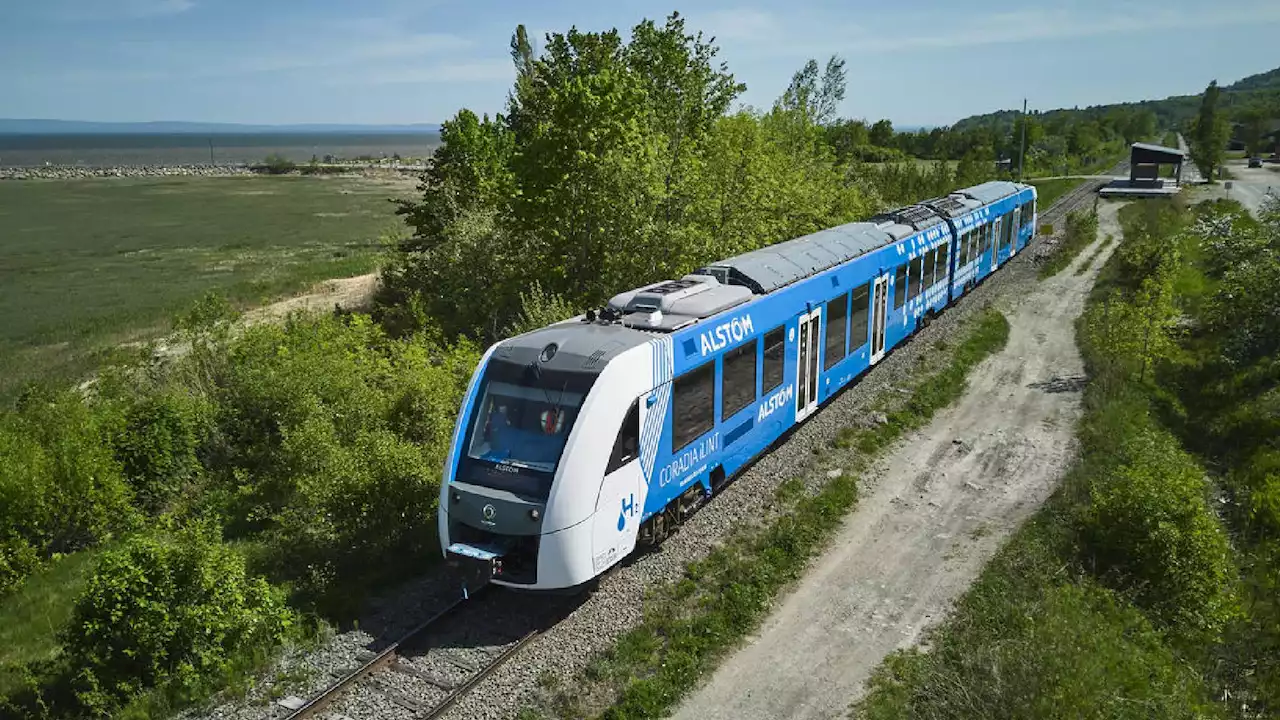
(900, 287)
(858, 317)
(963, 256)
(930, 267)
(837, 319)
(944, 261)
(738, 379)
(627, 447)
(915, 273)
(775, 350)
(693, 404)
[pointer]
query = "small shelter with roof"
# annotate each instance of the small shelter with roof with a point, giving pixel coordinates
(1145, 162)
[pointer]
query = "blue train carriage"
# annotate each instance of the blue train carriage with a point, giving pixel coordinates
(581, 440)
(990, 223)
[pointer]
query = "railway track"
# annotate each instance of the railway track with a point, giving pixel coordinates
(424, 673)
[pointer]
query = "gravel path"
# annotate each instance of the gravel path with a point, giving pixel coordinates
(616, 606)
(933, 512)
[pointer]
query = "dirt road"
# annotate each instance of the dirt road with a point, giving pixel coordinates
(932, 513)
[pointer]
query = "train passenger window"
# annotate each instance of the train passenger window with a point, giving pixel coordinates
(738, 379)
(963, 256)
(930, 267)
(775, 349)
(627, 447)
(916, 276)
(1006, 233)
(944, 261)
(858, 317)
(837, 319)
(900, 287)
(693, 405)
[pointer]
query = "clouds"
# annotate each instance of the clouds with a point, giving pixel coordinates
(420, 60)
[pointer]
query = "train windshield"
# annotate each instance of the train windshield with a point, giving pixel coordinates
(524, 427)
(520, 425)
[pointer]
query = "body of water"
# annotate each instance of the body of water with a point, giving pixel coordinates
(110, 150)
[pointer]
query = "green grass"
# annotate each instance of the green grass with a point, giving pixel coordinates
(689, 626)
(1081, 231)
(1048, 191)
(1093, 257)
(32, 616)
(89, 264)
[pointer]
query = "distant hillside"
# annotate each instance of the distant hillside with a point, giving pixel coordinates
(77, 127)
(1171, 112)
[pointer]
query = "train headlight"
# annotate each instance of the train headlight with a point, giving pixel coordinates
(457, 497)
(534, 514)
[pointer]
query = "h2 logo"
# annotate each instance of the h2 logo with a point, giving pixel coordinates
(628, 508)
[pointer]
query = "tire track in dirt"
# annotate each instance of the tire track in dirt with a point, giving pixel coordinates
(933, 511)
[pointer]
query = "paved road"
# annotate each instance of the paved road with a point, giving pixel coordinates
(1248, 185)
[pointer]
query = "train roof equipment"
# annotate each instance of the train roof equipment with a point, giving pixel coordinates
(670, 305)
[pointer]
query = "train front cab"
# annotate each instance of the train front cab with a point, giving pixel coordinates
(541, 458)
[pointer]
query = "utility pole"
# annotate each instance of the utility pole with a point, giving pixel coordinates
(1022, 144)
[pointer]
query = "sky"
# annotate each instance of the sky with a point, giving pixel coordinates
(419, 61)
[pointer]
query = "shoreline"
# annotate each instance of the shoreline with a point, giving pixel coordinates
(85, 172)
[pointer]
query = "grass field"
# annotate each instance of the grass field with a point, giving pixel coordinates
(90, 264)
(1048, 191)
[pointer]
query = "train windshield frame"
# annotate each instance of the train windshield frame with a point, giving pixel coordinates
(519, 427)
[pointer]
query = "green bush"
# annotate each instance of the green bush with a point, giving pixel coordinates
(62, 488)
(1148, 529)
(539, 309)
(331, 439)
(166, 609)
(159, 444)
(277, 164)
(277, 378)
(1081, 231)
(1257, 485)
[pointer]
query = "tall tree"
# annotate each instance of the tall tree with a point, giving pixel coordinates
(1209, 133)
(834, 84)
(816, 99)
(882, 133)
(1253, 122)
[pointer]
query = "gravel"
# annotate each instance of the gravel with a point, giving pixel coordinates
(617, 604)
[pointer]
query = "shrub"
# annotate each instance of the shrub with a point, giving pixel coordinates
(171, 609)
(1148, 529)
(539, 309)
(61, 485)
(158, 447)
(277, 164)
(1257, 483)
(277, 378)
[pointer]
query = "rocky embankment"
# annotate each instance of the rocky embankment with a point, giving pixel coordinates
(75, 172)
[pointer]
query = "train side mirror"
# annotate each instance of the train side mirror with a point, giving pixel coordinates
(649, 401)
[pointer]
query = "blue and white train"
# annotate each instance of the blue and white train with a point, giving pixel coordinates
(579, 441)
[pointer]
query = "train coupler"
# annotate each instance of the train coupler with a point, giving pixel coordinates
(478, 565)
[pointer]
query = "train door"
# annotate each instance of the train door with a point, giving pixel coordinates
(1015, 217)
(807, 366)
(995, 228)
(879, 311)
